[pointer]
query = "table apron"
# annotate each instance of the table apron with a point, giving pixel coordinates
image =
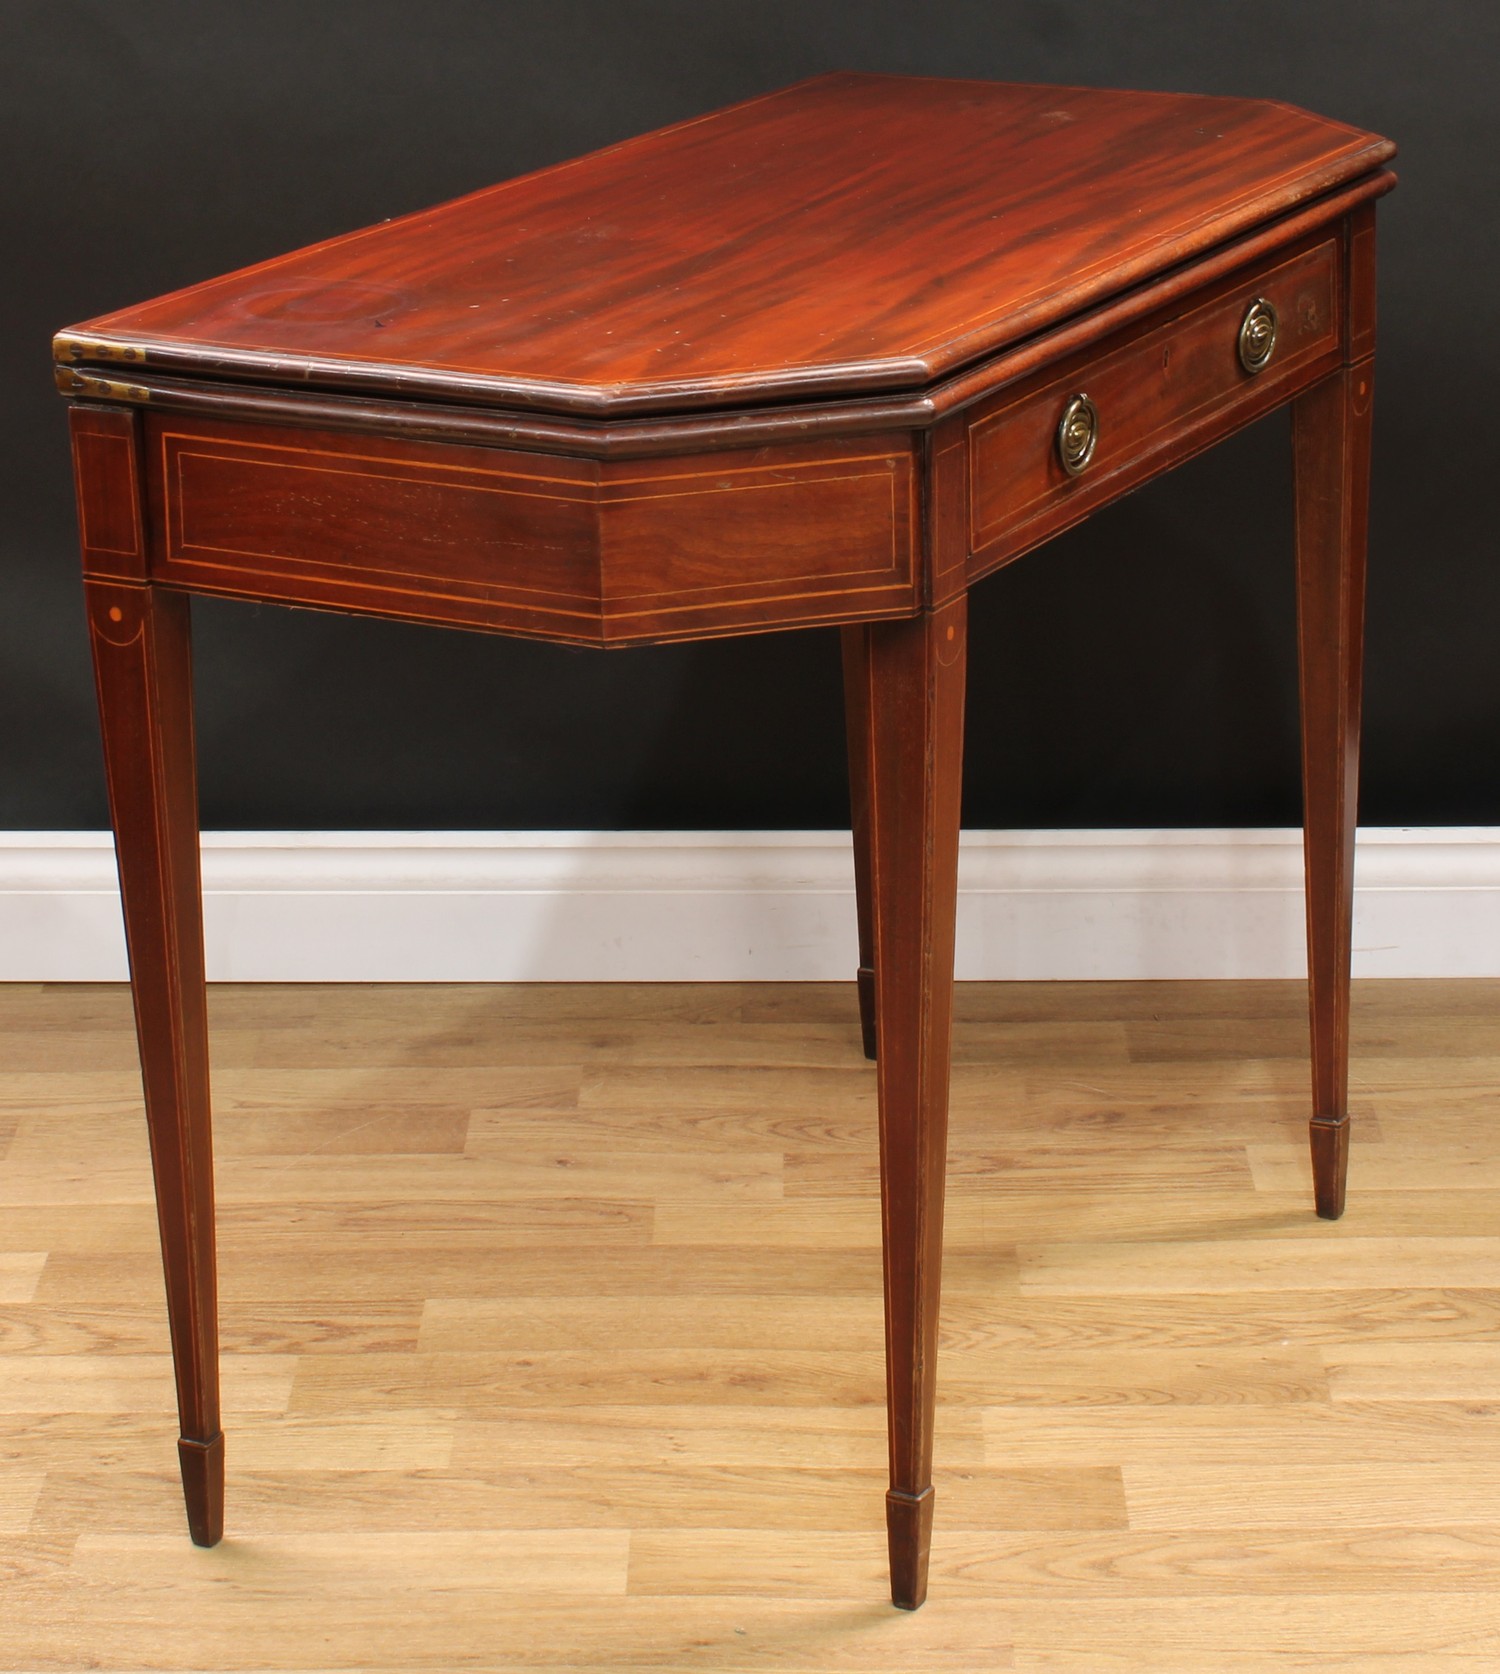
(604, 551)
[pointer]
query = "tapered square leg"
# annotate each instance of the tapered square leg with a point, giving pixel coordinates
(1331, 448)
(913, 701)
(857, 726)
(142, 666)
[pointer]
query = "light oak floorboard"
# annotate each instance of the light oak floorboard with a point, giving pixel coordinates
(553, 1337)
(20, 1272)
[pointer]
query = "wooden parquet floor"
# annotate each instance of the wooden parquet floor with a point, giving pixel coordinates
(553, 1339)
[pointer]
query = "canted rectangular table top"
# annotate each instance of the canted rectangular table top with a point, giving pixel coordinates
(851, 234)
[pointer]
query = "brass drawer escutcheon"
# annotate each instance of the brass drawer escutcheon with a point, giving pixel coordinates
(1258, 335)
(1077, 435)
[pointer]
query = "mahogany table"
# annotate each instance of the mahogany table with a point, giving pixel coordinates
(829, 356)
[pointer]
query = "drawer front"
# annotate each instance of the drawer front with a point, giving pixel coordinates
(534, 543)
(1150, 392)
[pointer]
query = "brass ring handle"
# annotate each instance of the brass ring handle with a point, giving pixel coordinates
(1077, 435)
(1258, 335)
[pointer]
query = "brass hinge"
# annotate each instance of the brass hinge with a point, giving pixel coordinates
(73, 382)
(65, 347)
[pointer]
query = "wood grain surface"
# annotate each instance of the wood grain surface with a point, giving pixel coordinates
(553, 1339)
(782, 248)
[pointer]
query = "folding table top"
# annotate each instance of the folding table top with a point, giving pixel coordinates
(849, 235)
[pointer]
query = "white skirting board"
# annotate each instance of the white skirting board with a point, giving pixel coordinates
(572, 906)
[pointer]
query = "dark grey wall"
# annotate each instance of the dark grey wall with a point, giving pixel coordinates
(1138, 673)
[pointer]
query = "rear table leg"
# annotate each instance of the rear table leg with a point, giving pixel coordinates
(857, 725)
